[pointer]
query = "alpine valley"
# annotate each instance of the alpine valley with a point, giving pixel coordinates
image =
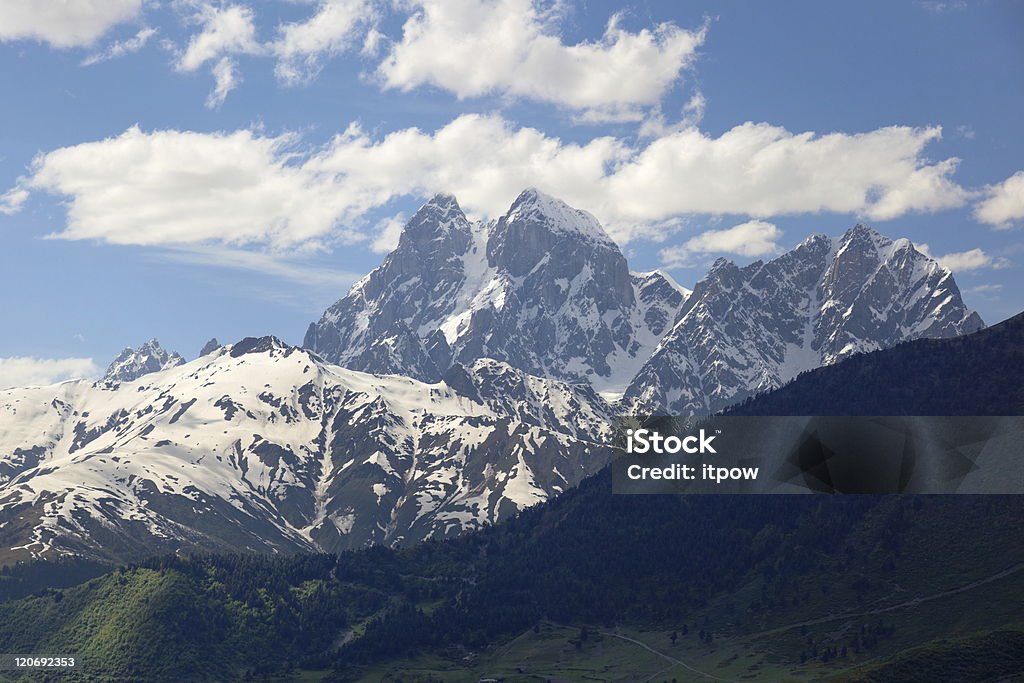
(473, 374)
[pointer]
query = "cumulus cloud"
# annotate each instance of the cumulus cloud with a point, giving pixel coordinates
(753, 238)
(225, 31)
(22, 371)
(301, 46)
(513, 47)
(241, 188)
(387, 233)
(119, 48)
(962, 261)
(64, 24)
(173, 188)
(764, 170)
(1003, 204)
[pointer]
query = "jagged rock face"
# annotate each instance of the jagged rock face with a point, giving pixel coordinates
(747, 330)
(131, 363)
(387, 323)
(209, 347)
(262, 446)
(543, 289)
(660, 299)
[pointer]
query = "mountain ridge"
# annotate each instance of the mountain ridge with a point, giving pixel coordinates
(545, 289)
(748, 329)
(264, 446)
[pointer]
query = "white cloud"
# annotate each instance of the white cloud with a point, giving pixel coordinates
(655, 125)
(480, 47)
(753, 238)
(943, 6)
(119, 48)
(962, 261)
(753, 169)
(372, 43)
(12, 200)
(225, 80)
(63, 24)
(693, 110)
(986, 290)
(275, 265)
(388, 231)
(171, 187)
(226, 30)
(22, 371)
(966, 131)
(763, 170)
(1004, 203)
(301, 46)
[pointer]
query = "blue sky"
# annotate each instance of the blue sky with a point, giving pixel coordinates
(191, 169)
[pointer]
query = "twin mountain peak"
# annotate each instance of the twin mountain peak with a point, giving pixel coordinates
(545, 290)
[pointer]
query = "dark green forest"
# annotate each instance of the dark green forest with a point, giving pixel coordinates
(978, 374)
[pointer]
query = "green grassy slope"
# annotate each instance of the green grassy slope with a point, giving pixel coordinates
(989, 656)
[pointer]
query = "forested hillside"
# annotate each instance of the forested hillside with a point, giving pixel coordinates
(978, 374)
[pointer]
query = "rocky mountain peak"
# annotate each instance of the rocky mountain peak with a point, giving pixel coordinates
(131, 363)
(544, 276)
(750, 329)
(209, 347)
(266, 344)
(435, 220)
(538, 210)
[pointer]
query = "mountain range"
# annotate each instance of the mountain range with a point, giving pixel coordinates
(544, 289)
(263, 446)
(473, 374)
(902, 589)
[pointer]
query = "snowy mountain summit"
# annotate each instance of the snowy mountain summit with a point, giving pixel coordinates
(750, 329)
(542, 288)
(263, 446)
(131, 363)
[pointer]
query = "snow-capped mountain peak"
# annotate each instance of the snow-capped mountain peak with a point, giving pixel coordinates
(750, 329)
(131, 363)
(543, 288)
(263, 446)
(543, 211)
(440, 215)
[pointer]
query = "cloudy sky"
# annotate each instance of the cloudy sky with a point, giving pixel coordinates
(188, 168)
